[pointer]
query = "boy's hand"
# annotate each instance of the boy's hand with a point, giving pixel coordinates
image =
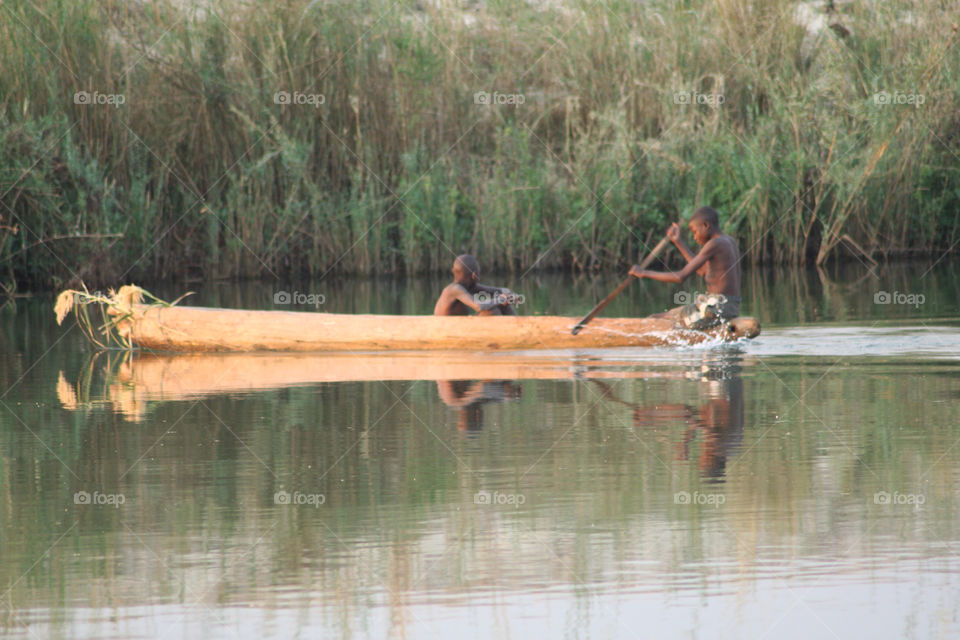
(636, 271)
(673, 232)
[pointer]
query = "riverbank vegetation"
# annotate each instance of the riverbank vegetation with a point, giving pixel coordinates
(236, 139)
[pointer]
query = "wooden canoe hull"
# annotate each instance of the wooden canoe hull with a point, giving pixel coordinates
(202, 329)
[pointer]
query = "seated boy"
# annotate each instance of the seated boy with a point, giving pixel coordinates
(465, 293)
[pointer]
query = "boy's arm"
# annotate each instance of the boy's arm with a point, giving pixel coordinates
(503, 290)
(677, 277)
(468, 299)
(505, 307)
(674, 234)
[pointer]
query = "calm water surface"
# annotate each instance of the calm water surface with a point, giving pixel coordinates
(804, 485)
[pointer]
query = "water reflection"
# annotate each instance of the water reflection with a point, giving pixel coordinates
(469, 396)
(808, 428)
(715, 423)
(719, 422)
(132, 384)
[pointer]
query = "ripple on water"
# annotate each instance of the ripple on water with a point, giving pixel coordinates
(924, 340)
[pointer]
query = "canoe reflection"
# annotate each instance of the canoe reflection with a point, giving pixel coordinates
(132, 385)
(469, 396)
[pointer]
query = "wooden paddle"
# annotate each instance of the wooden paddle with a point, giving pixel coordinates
(623, 285)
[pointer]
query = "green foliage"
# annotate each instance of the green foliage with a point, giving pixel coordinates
(393, 166)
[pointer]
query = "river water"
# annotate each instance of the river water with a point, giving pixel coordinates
(803, 485)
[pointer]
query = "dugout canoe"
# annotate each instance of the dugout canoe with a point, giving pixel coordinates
(201, 329)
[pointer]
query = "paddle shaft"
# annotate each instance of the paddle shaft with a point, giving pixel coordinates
(623, 285)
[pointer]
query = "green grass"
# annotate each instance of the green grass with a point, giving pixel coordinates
(204, 175)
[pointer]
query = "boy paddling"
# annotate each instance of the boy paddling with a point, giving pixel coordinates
(718, 262)
(466, 293)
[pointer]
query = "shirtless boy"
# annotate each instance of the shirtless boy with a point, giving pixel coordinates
(718, 261)
(466, 293)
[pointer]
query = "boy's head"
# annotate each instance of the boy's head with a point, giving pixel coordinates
(466, 270)
(704, 224)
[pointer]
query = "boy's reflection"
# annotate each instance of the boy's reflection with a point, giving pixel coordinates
(469, 396)
(718, 419)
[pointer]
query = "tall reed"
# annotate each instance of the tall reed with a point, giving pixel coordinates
(606, 121)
